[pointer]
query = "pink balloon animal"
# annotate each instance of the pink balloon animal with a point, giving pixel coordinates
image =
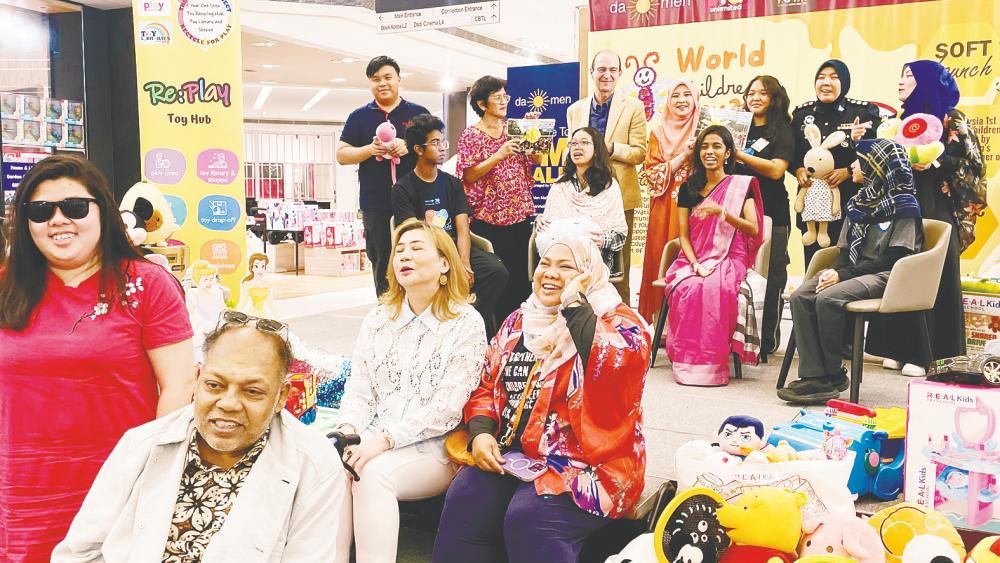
(841, 534)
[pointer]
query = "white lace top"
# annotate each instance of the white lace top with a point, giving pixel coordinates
(411, 377)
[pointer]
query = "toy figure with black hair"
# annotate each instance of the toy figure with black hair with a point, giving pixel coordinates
(739, 435)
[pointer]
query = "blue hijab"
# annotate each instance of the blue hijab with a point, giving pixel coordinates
(843, 73)
(936, 92)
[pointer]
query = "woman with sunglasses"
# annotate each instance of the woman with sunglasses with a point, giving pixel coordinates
(419, 356)
(95, 341)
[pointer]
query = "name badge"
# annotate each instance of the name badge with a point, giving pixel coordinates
(885, 226)
(760, 144)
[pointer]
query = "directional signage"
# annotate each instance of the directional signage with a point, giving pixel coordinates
(396, 16)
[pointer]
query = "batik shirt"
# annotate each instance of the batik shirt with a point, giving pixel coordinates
(206, 495)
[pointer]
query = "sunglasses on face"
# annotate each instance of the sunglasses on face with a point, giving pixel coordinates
(242, 319)
(71, 208)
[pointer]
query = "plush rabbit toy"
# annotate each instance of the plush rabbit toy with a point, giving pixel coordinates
(819, 203)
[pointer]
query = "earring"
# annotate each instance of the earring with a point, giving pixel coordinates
(443, 280)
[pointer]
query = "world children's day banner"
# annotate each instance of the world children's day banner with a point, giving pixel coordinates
(722, 44)
(550, 90)
(188, 61)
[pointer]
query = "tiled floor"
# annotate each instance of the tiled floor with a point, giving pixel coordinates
(674, 414)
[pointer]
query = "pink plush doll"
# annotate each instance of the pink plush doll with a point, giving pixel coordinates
(841, 534)
(386, 133)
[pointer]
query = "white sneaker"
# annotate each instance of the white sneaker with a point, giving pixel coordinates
(910, 370)
(891, 364)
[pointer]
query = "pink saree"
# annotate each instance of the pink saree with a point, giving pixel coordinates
(703, 310)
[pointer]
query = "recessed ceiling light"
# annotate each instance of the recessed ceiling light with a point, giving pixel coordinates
(447, 83)
(406, 74)
(262, 98)
(268, 82)
(347, 60)
(338, 79)
(315, 99)
(270, 66)
(263, 44)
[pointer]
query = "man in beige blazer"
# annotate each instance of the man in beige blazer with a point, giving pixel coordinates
(622, 119)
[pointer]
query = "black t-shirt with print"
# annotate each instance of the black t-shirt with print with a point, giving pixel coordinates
(779, 145)
(437, 202)
(515, 378)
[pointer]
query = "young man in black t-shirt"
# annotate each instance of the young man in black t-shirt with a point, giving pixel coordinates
(428, 194)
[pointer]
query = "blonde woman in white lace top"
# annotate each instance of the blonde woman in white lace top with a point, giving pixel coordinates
(419, 355)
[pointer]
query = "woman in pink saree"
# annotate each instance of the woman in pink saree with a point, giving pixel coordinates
(721, 216)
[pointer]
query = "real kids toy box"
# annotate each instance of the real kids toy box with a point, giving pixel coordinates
(953, 452)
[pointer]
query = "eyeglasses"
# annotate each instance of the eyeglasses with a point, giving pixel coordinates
(237, 318)
(500, 97)
(581, 144)
(438, 144)
(604, 69)
(71, 207)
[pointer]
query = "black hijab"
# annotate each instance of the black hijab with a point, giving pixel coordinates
(845, 81)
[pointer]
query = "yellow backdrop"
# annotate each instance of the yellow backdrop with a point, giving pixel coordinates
(875, 42)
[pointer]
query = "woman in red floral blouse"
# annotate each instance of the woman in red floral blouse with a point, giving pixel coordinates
(498, 182)
(563, 386)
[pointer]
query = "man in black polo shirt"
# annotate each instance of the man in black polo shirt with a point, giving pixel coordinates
(428, 194)
(358, 145)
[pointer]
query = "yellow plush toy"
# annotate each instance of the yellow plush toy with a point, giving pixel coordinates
(154, 213)
(765, 524)
(986, 551)
(913, 534)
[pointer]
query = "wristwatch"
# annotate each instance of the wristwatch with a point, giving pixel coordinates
(579, 299)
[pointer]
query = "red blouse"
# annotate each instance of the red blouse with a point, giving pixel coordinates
(72, 383)
(587, 426)
(502, 196)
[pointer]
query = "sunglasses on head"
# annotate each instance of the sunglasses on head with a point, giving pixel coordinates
(71, 208)
(242, 319)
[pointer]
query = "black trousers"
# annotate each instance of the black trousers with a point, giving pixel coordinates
(777, 278)
(490, 280)
(510, 244)
(378, 245)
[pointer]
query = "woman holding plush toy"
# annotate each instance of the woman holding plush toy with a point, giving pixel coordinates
(832, 111)
(950, 189)
(95, 340)
(720, 217)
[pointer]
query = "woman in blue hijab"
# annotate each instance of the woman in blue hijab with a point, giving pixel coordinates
(952, 189)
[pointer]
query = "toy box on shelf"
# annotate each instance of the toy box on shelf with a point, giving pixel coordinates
(953, 459)
(875, 435)
(981, 302)
(339, 250)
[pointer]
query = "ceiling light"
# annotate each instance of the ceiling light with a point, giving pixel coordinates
(406, 74)
(268, 82)
(270, 66)
(263, 44)
(347, 60)
(262, 98)
(338, 79)
(447, 83)
(315, 99)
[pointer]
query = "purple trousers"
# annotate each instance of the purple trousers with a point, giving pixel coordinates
(490, 518)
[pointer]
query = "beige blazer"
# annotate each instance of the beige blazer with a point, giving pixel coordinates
(626, 132)
(288, 509)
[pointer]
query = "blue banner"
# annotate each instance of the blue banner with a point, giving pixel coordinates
(550, 89)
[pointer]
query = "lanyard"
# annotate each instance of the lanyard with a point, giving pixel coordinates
(516, 420)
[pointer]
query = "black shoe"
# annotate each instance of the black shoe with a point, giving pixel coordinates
(840, 381)
(817, 390)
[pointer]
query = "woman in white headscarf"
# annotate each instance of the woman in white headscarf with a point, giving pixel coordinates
(562, 387)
